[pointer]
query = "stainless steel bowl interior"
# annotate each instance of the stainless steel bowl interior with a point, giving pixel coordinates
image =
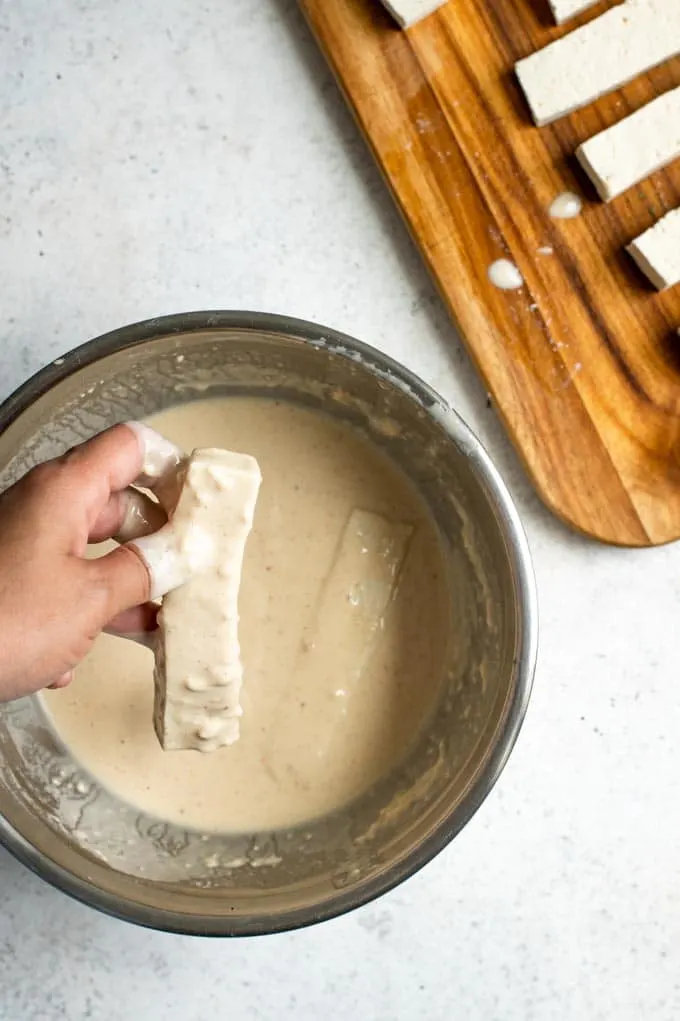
(61, 823)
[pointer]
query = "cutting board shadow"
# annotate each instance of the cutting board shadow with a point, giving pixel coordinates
(583, 362)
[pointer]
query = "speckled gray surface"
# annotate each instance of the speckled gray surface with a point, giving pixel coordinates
(157, 157)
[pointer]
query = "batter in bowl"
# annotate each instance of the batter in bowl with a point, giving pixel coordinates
(329, 704)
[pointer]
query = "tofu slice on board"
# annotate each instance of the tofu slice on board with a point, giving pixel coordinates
(599, 57)
(636, 147)
(563, 10)
(408, 12)
(657, 251)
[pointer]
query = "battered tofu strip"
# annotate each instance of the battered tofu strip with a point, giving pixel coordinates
(197, 560)
(596, 59)
(657, 251)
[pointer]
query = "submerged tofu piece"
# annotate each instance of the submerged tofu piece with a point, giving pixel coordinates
(198, 671)
(355, 595)
(348, 622)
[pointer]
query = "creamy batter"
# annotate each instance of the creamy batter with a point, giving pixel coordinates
(336, 525)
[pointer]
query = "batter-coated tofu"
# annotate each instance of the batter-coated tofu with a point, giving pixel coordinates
(198, 671)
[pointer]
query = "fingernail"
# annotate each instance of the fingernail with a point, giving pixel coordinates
(146, 638)
(142, 516)
(61, 682)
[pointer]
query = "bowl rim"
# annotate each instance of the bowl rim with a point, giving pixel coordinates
(509, 523)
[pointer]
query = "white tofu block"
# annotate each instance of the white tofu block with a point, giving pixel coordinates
(198, 672)
(657, 251)
(408, 12)
(565, 9)
(599, 57)
(634, 148)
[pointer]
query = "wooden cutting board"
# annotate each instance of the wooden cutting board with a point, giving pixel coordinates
(583, 363)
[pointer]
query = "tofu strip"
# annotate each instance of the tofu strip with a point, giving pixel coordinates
(631, 150)
(408, 12)
(657, 251)
(198, 671)
(599, 57)
(565, 9)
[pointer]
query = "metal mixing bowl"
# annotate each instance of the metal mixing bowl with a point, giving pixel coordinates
(56, 818)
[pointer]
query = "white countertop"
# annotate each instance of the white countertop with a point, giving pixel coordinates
(157, 157)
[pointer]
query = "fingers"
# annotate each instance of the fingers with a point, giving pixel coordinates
(149, 564)
(126, 516)
(138, 624)
(114, 460)
(86, 493)
(123, 578)
(64, 498)
(107, 463)
(157, 547)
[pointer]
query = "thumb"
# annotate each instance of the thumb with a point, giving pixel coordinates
(124, 577)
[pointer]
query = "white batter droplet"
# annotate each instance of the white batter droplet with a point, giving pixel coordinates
(504, 274)
(566, 206)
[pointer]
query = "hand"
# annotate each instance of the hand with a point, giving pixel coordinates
(53, 602)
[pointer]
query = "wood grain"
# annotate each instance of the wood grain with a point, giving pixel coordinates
(584, 362)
